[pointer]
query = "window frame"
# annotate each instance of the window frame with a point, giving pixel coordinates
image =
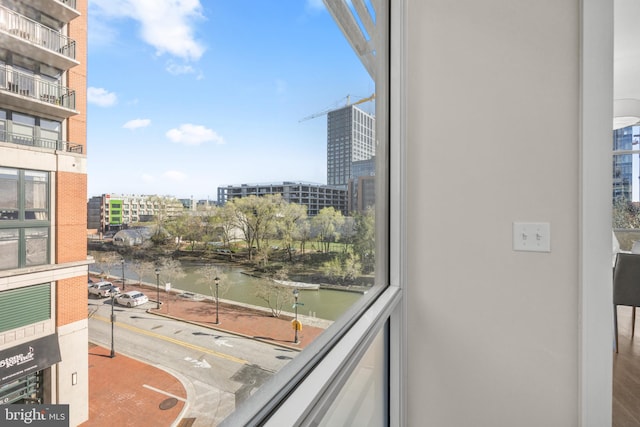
(317, 374)
(23, 225)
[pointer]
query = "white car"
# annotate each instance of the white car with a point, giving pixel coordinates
(132, 298)
(103, 289)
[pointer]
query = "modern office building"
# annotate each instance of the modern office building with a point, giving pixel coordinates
(112, 212)
(362, 185)
(626, 170)
(350, 137)
(314, 196)
(43, 187)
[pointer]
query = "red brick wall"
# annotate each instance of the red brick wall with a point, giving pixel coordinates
(71, 188)
(71, 295)
(71, 217)
(77, 78)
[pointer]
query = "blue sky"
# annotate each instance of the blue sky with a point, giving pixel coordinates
(185, 96)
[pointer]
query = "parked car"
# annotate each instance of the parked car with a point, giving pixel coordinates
(132, 298)
(103, 289)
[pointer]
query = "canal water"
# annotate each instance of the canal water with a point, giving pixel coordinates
(324, 303)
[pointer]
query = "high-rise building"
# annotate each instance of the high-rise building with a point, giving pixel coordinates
(43, 190)
(625, 165)
(350, 137)
(362, 185)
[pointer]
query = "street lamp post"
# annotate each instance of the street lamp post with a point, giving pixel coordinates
(113, 320)
(217, 281)
(296, 292)
(123, 287)
(157, 289)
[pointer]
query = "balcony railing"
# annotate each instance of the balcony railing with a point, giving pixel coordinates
(31, 141)
(35, 32)
(32, 87)
(70, 3)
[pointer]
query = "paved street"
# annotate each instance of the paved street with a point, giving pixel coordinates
(218, 370)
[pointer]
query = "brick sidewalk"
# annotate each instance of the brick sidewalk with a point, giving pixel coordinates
(125, 392)
(242, 320)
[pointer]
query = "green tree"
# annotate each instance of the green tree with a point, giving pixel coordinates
(625, 214)
(344, 267)
(292, 219)
(303, 234)
(163, 208)
(364, 240)
(327, 225)
(225, 220)
(255, 217)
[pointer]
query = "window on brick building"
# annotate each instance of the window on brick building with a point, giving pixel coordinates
(24, 218)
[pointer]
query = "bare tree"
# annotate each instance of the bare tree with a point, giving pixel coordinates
(170, 270)
(209, 273)
(141, 268)
(275, 295)
(107, 261)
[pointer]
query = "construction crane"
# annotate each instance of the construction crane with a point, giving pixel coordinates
(348, 97)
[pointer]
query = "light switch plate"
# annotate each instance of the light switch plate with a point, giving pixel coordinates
(532, 236)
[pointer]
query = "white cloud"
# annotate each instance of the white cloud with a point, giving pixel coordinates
(101, 97)
(189, 134)
(175, 175)
(137, 123)
(177, 69)
(167, 25)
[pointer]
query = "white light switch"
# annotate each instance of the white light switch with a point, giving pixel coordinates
(532, 236)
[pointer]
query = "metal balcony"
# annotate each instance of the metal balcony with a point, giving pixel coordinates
(27, 92)
(32, 141)
(62, 10)
(36, 41)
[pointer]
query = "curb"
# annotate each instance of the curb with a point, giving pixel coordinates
(240, 334)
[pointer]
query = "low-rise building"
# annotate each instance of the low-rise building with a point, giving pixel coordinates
(314, 196)
(110, 212)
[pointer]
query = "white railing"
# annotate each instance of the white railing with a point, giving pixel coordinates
(33, 31)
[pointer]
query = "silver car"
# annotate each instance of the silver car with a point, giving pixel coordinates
(103, 289)
(132, 298)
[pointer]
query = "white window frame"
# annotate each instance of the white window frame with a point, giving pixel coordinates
(315, 377)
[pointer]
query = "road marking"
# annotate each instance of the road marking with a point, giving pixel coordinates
(198, 363)
(222, 343)
(175, 341)
(157, 390)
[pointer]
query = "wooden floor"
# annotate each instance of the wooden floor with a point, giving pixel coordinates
(626, 372)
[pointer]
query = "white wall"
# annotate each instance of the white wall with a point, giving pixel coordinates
(73, 340)
(493, 129)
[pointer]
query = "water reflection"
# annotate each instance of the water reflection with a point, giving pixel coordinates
(324, 303)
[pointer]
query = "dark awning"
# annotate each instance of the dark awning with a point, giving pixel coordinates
(28, 358)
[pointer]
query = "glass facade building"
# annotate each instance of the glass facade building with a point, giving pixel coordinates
(350, 137)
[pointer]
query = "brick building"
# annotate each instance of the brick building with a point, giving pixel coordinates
(43, 188)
